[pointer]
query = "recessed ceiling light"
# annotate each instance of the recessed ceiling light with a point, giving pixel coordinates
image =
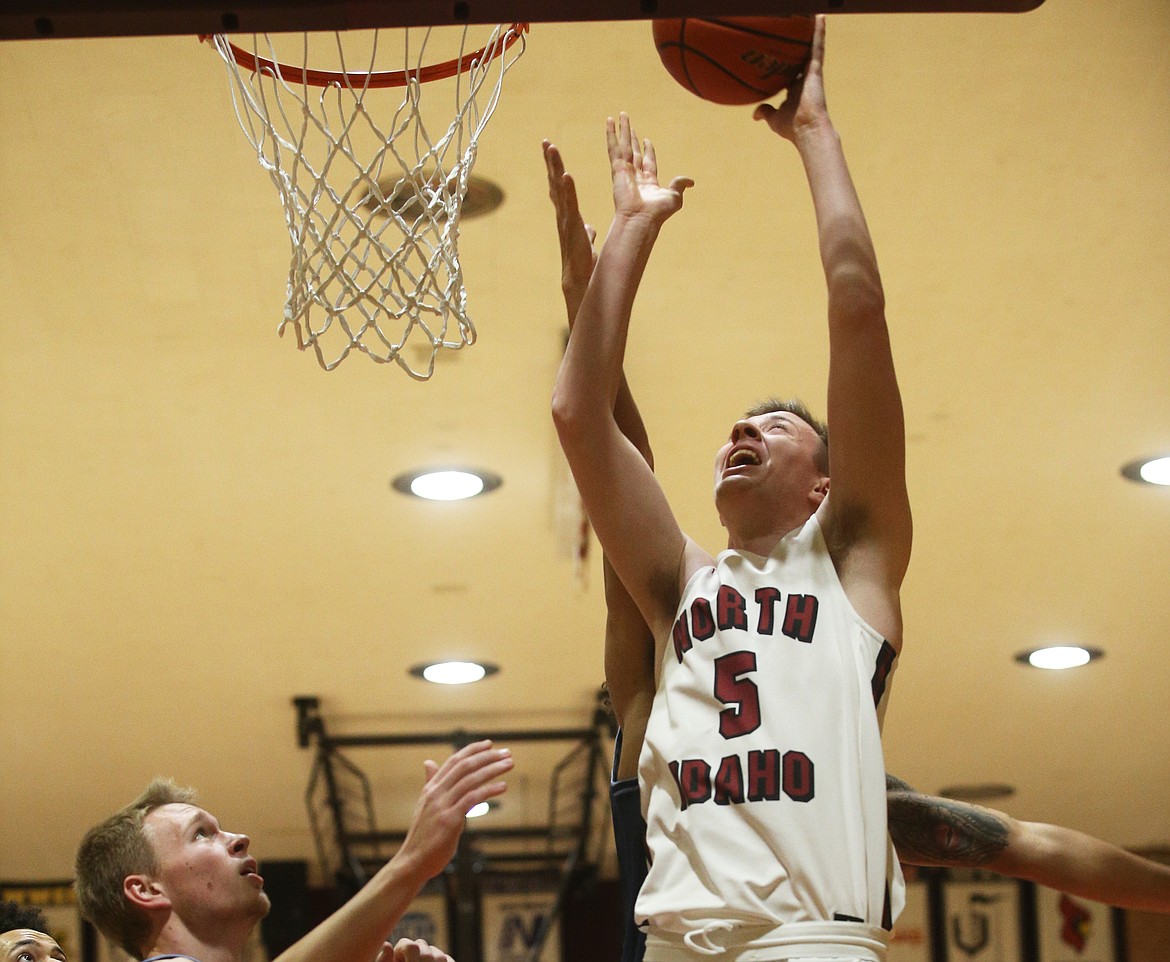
(1059, 656)
(454, 672)
(1149, 470)
(447, 484)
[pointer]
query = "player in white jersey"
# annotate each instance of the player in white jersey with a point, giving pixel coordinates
(772, 477)
(778, 797)
(925, 830)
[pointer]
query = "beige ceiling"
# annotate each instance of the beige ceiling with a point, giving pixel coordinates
(196, 522)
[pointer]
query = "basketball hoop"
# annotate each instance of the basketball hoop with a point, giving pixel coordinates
(372, 204)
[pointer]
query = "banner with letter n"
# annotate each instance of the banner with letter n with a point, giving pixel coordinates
(513, 923)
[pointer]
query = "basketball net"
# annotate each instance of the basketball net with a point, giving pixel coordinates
(372, 201)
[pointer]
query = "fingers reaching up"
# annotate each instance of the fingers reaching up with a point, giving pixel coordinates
(470, 776)
(634, 165)
(578, 256)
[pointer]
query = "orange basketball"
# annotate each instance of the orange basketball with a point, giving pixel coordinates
(735, 60)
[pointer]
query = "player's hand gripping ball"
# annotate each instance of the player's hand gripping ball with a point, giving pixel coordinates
(735, 60)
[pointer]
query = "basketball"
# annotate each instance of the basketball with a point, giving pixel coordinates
(735, 60)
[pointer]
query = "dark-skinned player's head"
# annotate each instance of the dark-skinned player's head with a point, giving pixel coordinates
(24, 935)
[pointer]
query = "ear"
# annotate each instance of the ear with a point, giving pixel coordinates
(820, 491)
(144, 892)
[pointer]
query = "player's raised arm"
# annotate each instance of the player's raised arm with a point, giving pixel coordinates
(356, 931)
(629, 645)
(625, 504)
(867, 513)
(575, 237)
(941, 831)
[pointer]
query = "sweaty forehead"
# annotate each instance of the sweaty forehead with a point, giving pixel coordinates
(16, 939)
(785, 417)
(768, 416)
(172, 818)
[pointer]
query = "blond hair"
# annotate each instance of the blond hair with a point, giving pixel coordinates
(114, 849)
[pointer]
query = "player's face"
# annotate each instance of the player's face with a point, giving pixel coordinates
(204, 870)
(27, 945)
(777, 448)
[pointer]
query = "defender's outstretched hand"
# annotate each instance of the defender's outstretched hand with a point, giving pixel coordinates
(805, 104)
(470, 776)
(636, 191)
(578, 256)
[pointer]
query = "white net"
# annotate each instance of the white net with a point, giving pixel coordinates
(372, 200)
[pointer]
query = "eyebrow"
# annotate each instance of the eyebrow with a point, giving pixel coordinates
(56, 951)
(199, 816)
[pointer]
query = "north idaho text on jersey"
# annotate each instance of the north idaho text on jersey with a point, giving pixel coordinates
(730, 612)
(766, 775)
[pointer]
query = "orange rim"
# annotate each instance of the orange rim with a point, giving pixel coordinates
(385, 78)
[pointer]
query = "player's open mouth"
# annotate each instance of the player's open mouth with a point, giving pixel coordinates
(249, 871)
(741, 456)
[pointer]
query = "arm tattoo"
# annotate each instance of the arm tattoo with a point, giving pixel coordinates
(895, 784)
(940, 831)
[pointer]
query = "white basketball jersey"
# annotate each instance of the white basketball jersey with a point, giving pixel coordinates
(763, 782)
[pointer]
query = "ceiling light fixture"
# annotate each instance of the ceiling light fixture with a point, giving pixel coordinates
(1057, 657)
(1149, 470)
(454, 672)
(447, 484)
